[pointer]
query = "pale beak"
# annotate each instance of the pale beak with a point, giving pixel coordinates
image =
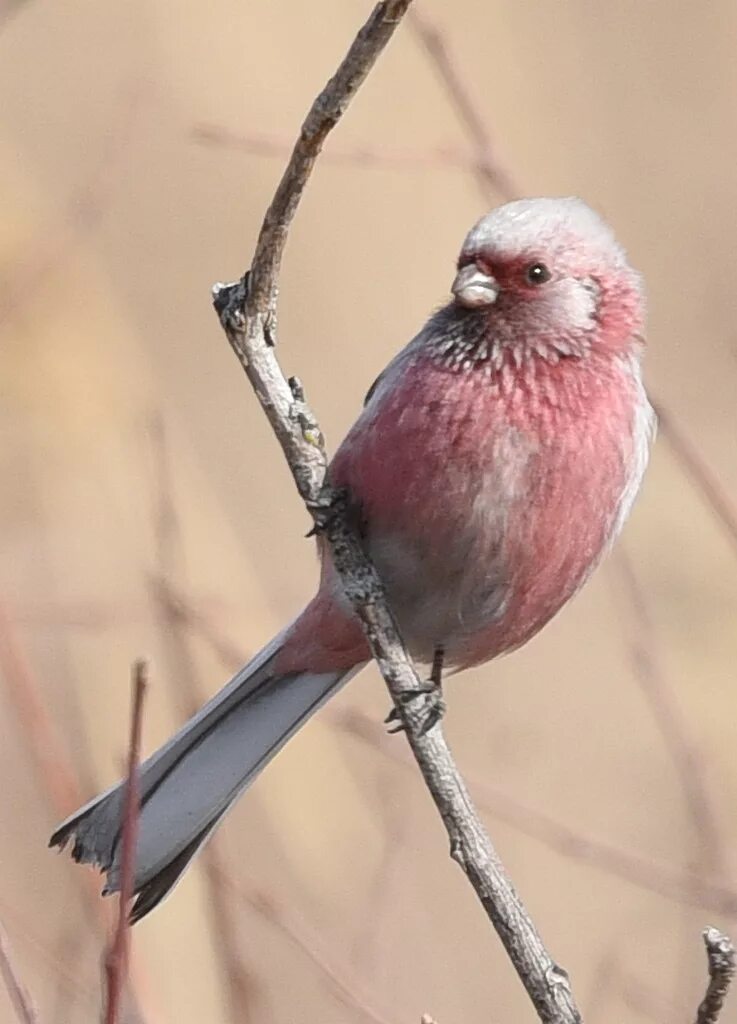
(474, 287)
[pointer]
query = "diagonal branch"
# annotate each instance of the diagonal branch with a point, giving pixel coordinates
(247, 312)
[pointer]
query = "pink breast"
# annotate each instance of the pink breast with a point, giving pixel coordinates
(527, 473)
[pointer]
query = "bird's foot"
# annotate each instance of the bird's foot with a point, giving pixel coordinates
(328, 508)
(431, 708)
(338, 503)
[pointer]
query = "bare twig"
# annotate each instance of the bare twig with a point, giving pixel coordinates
(720, 956)
(116, 960)
(248, 315)
(25, 1011)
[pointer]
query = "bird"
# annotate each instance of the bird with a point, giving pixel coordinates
(494, 463)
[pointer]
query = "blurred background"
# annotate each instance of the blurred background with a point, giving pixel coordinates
(146, 510)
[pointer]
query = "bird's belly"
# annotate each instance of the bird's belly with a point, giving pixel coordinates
(491, 583)
(484, 573)
(441, 593)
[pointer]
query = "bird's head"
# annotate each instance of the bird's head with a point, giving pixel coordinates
(551, 278)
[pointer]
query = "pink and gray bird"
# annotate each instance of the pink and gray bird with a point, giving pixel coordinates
(494, 463)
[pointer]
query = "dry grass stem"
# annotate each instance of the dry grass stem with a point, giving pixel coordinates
(490, 173)
(359, 157)
(116, 960)
(679, 884)
(20, 998)
(711, 490)
(343, 984)
(177, 618)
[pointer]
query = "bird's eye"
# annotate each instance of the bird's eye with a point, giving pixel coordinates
(537, 273)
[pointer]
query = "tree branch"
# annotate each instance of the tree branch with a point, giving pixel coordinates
(720, 955)
(247, 312)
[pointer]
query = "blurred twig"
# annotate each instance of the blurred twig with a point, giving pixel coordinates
(53, 764)
(369, 940)
(346, 989)
(38, 941)
(184, 612)
(642, 997)
(612, 979)
(673, 883)
(50, 247)
(699, 473)
(8, 8)
(486, 165)
(720, 955)
(247, 314)
(25, 1011)
(97, 616)
(69, 945)
(259, 144)
(177, 616)
(116, 959)
(684, 752)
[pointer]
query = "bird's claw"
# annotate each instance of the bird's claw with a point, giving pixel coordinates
(429, 713)
(326, 512)
(229, 300)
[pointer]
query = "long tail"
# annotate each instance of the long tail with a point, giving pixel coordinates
(192, 781)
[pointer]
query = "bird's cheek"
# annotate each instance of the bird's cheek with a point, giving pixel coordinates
(578, 305)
